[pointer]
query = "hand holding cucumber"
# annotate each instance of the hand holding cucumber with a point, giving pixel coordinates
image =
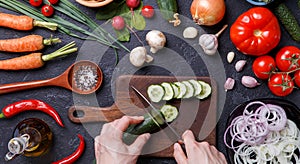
(109, 146)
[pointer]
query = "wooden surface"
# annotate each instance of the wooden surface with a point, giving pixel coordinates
(192, 115)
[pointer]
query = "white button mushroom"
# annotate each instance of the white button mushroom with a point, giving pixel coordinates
(156, 40)
(138, 56)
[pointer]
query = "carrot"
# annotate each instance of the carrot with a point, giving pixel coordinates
(28, 43)
(23, 22)
(35, 60)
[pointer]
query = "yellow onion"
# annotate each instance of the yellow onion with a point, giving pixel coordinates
(207, 12)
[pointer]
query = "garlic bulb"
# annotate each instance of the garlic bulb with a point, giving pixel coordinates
(209, 42)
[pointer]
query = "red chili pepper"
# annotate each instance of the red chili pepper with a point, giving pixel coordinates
(26, 105)
(75, 155)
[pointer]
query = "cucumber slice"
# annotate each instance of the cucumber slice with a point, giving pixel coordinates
(197, 86)
(175, 89)
(170, 112)
(169, 93)
(182, 89)
(155, 92)
(206, 90)
(189, 90)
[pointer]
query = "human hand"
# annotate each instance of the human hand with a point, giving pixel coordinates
(109, 146)
(197, 152)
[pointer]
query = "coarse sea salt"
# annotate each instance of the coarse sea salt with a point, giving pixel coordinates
(85, 77)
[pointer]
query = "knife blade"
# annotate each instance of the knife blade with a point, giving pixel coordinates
(179, 140)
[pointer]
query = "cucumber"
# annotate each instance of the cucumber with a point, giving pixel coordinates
(175, 89)
(167, 8)
(197, 87)
(147, 126)
(288, 20)
(170, 112)
(169, 93)
(189, 90)
(182, 89)
(155, 93)
(206, 90)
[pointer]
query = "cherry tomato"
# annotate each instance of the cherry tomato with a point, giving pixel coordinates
(148, 11)
(255, 32)
(35, 3)
(263, 66)
(47, 10)
(297, 78)
(288, 58)
(53, 2)
(281, 84)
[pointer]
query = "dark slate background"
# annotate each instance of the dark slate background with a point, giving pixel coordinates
(65, 139)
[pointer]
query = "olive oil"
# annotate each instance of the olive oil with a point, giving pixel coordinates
(32, 138)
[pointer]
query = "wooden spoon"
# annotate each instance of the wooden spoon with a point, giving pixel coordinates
(66, 80)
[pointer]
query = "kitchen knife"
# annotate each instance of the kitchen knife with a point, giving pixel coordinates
(179, 140)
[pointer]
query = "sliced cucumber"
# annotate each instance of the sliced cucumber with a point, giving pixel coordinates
(175, 89)
(206, 90)
(170, 112)
(155, 93)
(169, 93)
(182, 89)
(197, 86)
(189, 90)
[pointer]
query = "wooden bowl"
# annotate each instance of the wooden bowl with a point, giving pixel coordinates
(93, 3)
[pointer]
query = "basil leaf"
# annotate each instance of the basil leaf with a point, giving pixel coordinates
(138, 21)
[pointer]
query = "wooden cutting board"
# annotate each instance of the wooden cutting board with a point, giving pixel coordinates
(193, 113)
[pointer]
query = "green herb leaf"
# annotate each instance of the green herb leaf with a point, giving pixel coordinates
(123, 35)
(138, 21)
(111, 10)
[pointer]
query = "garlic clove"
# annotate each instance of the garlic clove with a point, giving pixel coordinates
(230, 57)
(239, 65)
(249, 82)
(229, 84)
(190, 33)
(148, 59)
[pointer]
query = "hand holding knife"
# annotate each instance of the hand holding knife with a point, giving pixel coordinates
(179, 140)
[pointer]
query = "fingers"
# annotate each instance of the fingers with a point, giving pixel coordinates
(137, 146)
(118, 126)
(179, 154)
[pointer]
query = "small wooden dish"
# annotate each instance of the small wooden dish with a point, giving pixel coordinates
(93, 3)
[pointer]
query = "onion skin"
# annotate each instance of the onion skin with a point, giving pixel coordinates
(207, 12)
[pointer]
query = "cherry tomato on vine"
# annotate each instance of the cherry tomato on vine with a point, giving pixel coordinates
(47, 10)
(35, 3)
(148, 11)
(281, 84)
(288, 58)
(263, 66)
(297, 78)
(53, 2)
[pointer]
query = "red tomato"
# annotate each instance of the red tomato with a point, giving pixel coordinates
(53, 2)
(297, 78)
(148, 11)
(35, 3)
(263, 66)
(288, 58)
(281, 84)
(255, 32)
(47, 10)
